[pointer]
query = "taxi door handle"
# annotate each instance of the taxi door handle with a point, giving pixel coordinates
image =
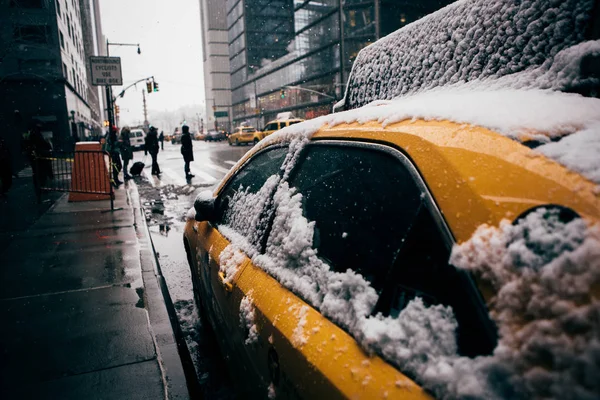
(226, 285)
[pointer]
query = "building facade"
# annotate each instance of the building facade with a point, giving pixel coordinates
(215, 48)
(296, 55)
(43, 75)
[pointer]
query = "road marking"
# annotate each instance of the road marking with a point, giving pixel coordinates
(230, 162)
(150, 178)
(203, 175)
(179, 180)
(216, 167)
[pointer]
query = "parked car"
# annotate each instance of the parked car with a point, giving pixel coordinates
(199, 136)
(274, 126)
(244, 135)
(443, 244)
(176, 138)
(215, 136)
(136, 137)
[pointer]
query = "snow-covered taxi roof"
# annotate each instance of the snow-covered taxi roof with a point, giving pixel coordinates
(480, 39)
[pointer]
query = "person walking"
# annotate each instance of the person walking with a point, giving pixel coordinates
(152, 148)
(187, 150)
(112, 148)
(126, 151)
(161, 139)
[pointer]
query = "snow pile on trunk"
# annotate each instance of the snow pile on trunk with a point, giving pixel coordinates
(473, 40)
(247, 318)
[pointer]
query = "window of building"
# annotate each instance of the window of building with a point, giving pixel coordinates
(32, 34)
(62, 39)
(65, 70)
(58, 11)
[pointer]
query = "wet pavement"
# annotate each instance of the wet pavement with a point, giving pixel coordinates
(82, 311)
(165, 200)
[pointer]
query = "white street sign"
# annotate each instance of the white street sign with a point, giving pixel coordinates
(106, 71)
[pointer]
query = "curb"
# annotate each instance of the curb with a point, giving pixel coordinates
(178, 370)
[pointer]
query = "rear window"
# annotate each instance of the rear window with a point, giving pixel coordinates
(139, 134)
(293, 122)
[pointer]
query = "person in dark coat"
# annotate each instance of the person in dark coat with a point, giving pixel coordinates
(112, 148)
(187, 150)
(161, 139)
(152, 147)
(40, 151)
(126, 151)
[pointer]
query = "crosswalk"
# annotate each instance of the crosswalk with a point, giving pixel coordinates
(205, 173)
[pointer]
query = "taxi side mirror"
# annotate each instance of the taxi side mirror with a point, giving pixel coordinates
(205, 206)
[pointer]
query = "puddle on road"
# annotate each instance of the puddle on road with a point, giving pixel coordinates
(165, 209)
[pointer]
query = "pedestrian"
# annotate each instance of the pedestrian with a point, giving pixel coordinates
(187, 150)
(161, 139)
(40, 151)
(6, 174)
(151, 146)
(126, 151)
(112, 148)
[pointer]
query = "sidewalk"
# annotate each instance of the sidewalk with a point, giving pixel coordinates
(82, 315)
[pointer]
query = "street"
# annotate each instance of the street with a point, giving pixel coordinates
(166, 200)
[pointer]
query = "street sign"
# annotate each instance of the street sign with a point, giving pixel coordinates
(219, 114)
(106, 71)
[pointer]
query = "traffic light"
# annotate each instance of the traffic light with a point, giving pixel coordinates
(117, 109)
(155, 86)
(282, 93)
(149, 86)
(106, 123)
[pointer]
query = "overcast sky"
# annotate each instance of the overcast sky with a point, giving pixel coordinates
(168, 32)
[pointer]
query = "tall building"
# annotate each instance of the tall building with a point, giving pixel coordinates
(43, 75)
(292, 55)
(215, 48)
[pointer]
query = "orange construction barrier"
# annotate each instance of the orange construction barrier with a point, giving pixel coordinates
(90, 174)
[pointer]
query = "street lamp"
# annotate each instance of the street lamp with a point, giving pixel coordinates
(109, 98)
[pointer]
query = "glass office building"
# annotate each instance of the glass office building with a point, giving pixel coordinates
(295, 55)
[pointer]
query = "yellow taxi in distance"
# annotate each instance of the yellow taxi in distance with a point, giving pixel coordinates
(274, 126)
(244, 135)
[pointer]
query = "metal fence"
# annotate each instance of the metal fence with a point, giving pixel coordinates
(85, 171)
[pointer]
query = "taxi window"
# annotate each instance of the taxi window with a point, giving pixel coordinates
(363, 203)
(271, 127)
(293, 122)
(252, 177)
(248, 130)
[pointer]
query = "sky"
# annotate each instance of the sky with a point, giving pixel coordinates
(168, 32)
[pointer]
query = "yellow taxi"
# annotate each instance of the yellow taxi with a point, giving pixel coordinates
(244, 135)
(367, 190)
(274, 126)
(440, 245)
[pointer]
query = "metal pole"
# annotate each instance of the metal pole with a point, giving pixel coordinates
(377, 20)
(146, 123)
(342, 57)
(109, 101)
